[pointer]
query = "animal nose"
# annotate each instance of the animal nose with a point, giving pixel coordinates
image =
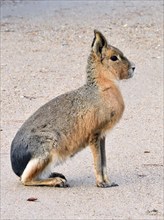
(133, 68)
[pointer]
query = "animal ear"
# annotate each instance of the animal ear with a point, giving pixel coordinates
(99, 42)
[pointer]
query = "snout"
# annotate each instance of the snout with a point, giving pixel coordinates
(131, 70)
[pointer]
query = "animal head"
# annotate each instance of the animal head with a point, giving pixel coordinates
(112, 61)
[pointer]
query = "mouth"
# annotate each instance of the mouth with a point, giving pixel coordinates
(130, 75)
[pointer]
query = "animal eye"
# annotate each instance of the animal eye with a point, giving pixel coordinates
(114, 58)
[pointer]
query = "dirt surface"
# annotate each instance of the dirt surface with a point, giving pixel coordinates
(44, 50)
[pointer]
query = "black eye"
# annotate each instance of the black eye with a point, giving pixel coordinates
(114, 58)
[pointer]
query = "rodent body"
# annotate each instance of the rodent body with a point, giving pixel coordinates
(70, 122)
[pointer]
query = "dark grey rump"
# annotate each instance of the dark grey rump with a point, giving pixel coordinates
(20, 156)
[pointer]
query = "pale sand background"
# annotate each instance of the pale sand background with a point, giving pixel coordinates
(44, 48)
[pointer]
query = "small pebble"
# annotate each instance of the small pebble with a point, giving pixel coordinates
(32, 199)
(146, 151)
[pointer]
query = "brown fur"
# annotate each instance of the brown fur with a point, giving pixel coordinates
(74, 120)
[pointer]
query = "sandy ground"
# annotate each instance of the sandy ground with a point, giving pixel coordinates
(44, 48)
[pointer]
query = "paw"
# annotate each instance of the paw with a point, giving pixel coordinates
(60, 182)
(106, 184)
(62, 185)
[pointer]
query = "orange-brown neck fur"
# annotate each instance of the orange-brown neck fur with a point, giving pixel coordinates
(97, 74)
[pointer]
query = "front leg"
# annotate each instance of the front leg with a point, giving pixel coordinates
(96, 152)
(106, 180)
(103, 160)
(97, 146)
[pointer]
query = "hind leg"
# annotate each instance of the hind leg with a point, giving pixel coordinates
(33, 169)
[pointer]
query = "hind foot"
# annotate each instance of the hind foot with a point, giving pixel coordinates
(61, 182)
(60, 175)
(56, 182)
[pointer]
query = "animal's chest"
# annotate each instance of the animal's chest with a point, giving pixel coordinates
(113, 108)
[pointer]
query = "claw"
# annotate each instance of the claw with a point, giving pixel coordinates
(113, 185)
(106, 185)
